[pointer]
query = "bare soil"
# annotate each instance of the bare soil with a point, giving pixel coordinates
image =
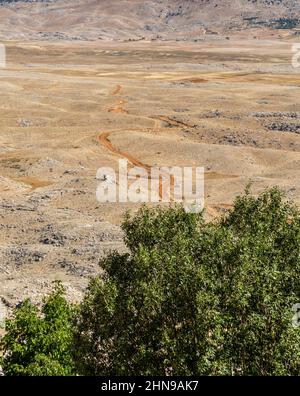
(68, 108)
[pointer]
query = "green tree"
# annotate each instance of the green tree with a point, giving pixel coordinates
(197, 298)
(40, 343)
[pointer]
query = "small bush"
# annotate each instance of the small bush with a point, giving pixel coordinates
(39, 343)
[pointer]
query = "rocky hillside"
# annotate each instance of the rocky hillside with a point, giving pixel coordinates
(139, 19)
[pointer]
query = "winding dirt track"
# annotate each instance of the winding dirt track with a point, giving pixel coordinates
(104, 140)
(172, 122)
(117, 90)
(213, 210)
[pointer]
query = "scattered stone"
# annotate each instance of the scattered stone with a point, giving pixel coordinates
(70, 172)
(276, 114)
(52, 237)
(24, 123)
(212, 114)
(284, 127)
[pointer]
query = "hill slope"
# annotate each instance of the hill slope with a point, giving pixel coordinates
(137, 19)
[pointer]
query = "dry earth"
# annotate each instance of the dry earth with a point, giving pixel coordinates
(69, 108)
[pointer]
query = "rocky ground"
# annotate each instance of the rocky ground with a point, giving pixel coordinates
(233, 109)
(156, 20)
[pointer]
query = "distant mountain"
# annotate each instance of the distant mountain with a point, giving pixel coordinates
(140, 19)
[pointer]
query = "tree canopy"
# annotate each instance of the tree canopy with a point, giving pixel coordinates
(189, 297)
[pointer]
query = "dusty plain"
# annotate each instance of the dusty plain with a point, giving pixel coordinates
(68, 108)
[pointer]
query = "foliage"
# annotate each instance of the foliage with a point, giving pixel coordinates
(197, 298)
(189, 298)
(39, 343)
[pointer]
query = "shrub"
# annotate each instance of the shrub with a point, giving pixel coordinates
(196, 298)
(39, 343)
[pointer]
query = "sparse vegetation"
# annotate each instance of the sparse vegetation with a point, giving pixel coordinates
(190, 298)
(286, 23)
